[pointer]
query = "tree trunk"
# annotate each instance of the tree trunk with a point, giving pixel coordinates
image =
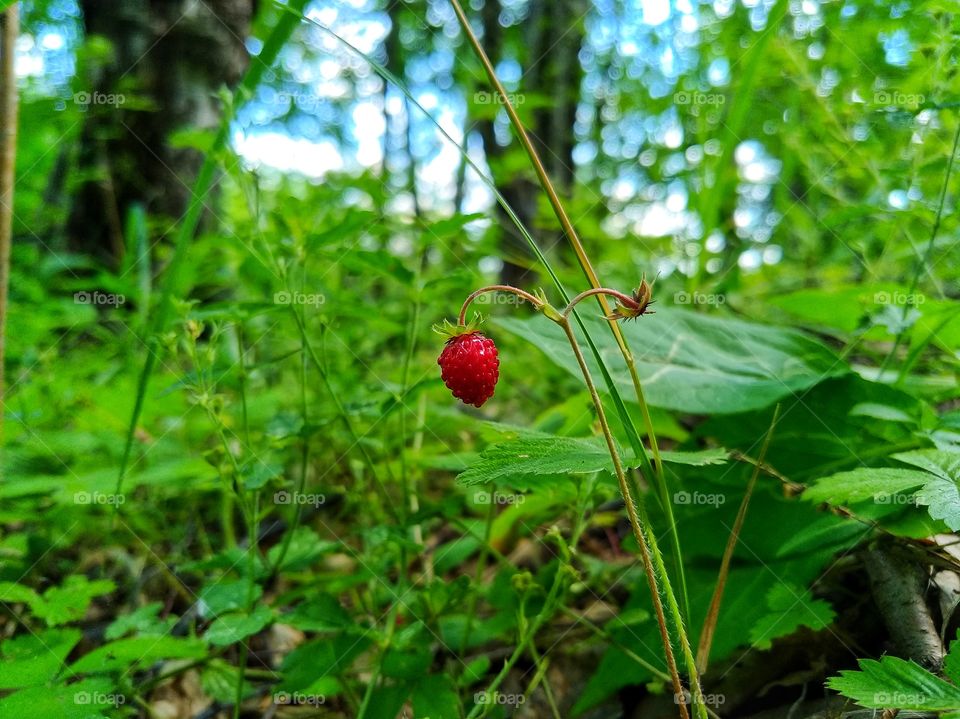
(170, 57)
(551, 69)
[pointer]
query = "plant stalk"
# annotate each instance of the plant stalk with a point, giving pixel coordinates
(638, 531)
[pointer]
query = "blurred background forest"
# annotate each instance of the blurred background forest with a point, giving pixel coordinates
(233, 482)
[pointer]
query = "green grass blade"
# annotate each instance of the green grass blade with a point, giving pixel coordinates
(172, 281)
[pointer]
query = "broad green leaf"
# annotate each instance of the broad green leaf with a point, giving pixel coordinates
(69, 603)
(894, 683)
(231, 628)
(224, 596)
(700, 458)
(435, 697)
(539, 455)
(320, 658)
(941, 463)
(142, 621)
(789, 607)
(941, 493)
(320, 613)
(88, 699)
(11, 592)
(31, 659)
(124, 654)
(692, 362)
(865, 483)
(406, 664)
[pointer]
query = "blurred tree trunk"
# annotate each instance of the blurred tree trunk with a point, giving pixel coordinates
(169, 58)
(551, 38)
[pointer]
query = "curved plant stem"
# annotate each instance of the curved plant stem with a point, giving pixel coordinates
(643, 537)
(624, 299)
(532, 299)
(656, 471)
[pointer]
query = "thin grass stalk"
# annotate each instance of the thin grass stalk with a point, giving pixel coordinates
(9, 29)
(713, 613)
(656, 471)
(638, 532)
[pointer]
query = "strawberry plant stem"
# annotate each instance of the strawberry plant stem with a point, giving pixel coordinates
(656, 472)
(638, 531)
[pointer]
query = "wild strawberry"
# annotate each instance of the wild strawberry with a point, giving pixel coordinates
(470, 367)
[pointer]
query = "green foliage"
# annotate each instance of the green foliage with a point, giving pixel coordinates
(691, 362)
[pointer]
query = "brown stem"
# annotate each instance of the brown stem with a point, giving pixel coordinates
(9, 29)
(638, 533)
(625, 299)
(532, 299)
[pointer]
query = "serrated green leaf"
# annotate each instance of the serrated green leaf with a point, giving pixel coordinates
(865, 483)
(894, 683)
(435, 697)
(31, 659)
(88, 699)
(539, 455)
(232, 628)
(321, 613)
(221, 597)
(789, 608)
(126, 653)
(700, 458)
(70, 602)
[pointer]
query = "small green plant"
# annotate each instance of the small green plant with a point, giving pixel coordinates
(472, 380)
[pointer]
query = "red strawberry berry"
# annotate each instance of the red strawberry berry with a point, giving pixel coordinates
(470, 367)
